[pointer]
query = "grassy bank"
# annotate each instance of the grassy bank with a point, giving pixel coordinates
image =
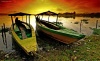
(86, 49)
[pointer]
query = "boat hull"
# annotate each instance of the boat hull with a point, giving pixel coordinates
(59, 37)
(29, 44)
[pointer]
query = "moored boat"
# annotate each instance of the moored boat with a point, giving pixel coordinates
(23, 33)
(56, 31)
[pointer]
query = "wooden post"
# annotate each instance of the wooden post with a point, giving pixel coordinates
(96, 24)
(3, 35)
(12, 22)
(57, 19)
(29, 19)
(22, 18)
(26, 18)
(42, 17)
(48, 18)
(4, 30)
(80, 25)
(5, 40)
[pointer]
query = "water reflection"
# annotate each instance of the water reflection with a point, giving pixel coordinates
(6, 47)
(67, 22)
(70, 23)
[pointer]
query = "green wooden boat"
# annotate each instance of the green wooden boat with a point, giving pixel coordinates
(24, 34)
(57, 31)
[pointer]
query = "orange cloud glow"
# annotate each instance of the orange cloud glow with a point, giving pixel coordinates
(7, 6)
(79, 5)
(36, 6)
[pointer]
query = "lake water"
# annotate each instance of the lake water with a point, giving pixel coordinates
(67, 22)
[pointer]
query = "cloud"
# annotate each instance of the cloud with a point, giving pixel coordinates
(79, 5)
(13, 5)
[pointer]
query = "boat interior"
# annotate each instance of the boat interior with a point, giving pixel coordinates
(23, 31)
(49, 24)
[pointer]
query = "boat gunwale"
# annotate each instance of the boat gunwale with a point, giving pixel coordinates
(79, 36)
(15, 36)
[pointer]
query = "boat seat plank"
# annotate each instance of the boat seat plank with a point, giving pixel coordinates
(49, 25)
(24, 36)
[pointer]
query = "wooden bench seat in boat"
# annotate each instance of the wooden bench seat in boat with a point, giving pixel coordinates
(49, 25)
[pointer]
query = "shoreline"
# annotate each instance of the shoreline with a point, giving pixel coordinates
(60, 51)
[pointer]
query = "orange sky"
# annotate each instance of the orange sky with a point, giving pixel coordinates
(36, 6)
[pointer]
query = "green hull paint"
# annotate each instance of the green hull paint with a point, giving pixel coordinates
(62, 31)
(29, 44)
(18, 32)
